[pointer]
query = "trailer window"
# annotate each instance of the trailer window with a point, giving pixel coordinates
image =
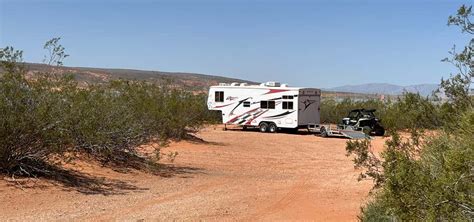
(267, 104)
(287, 97)
(219, 96)
(287, 105)
(271, 104)
(246, 104)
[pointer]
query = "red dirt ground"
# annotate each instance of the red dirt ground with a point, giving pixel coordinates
(234, 175)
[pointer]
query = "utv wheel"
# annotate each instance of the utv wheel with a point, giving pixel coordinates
(272, 128)
(263, 127)
(323, 132)
(367, 130)
(379, 131)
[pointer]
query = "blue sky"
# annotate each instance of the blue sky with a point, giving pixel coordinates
(303, 43)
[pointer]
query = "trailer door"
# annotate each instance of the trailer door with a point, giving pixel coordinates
(308, 106)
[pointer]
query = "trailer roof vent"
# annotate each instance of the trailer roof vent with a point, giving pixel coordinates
(272, 84)
(223, 84)
(243, 84)
(234, 84)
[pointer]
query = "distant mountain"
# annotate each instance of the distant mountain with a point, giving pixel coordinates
(387, 89)
(84, 75)
(201, 82)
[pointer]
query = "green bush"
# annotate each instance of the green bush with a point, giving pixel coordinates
(412, 111)
(427, 178)
(50, 114)
(421, 181)
(375, 211)
(31, 127)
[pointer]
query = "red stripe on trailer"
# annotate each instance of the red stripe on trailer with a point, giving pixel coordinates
(235, 118)
(275, 91)
(223, 105)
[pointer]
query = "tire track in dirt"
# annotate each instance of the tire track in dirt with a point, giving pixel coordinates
(143, 204)
(295, 192)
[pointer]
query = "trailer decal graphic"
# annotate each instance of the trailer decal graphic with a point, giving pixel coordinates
(242, 121)
(224, 105)
(270, 91)
(279, 115)
(255, 117)
(308, 103)
(276, 98)
(237, 117)
(230, 98)
(240, 102)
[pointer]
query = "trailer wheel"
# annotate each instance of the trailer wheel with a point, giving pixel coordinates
(272, 128)
(263, 127)
(323, 132)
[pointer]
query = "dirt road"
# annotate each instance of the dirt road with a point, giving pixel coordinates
(236, 175)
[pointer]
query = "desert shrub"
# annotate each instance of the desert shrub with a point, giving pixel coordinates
(30, 129)
(100, 120)
(122, 114)
(49, 114)
(427, 178)
(412, 111)
(375, 211)
(419, 181)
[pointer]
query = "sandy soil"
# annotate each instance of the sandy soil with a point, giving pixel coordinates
(235, 175)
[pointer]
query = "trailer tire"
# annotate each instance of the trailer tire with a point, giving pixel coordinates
(323, 132)
(272, 128)
(263, 127)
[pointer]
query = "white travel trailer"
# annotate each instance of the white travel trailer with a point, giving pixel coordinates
(268, 106)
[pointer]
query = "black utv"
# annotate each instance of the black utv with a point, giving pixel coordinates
(364, 119)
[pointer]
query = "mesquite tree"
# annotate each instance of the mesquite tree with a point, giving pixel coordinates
(428, 178)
